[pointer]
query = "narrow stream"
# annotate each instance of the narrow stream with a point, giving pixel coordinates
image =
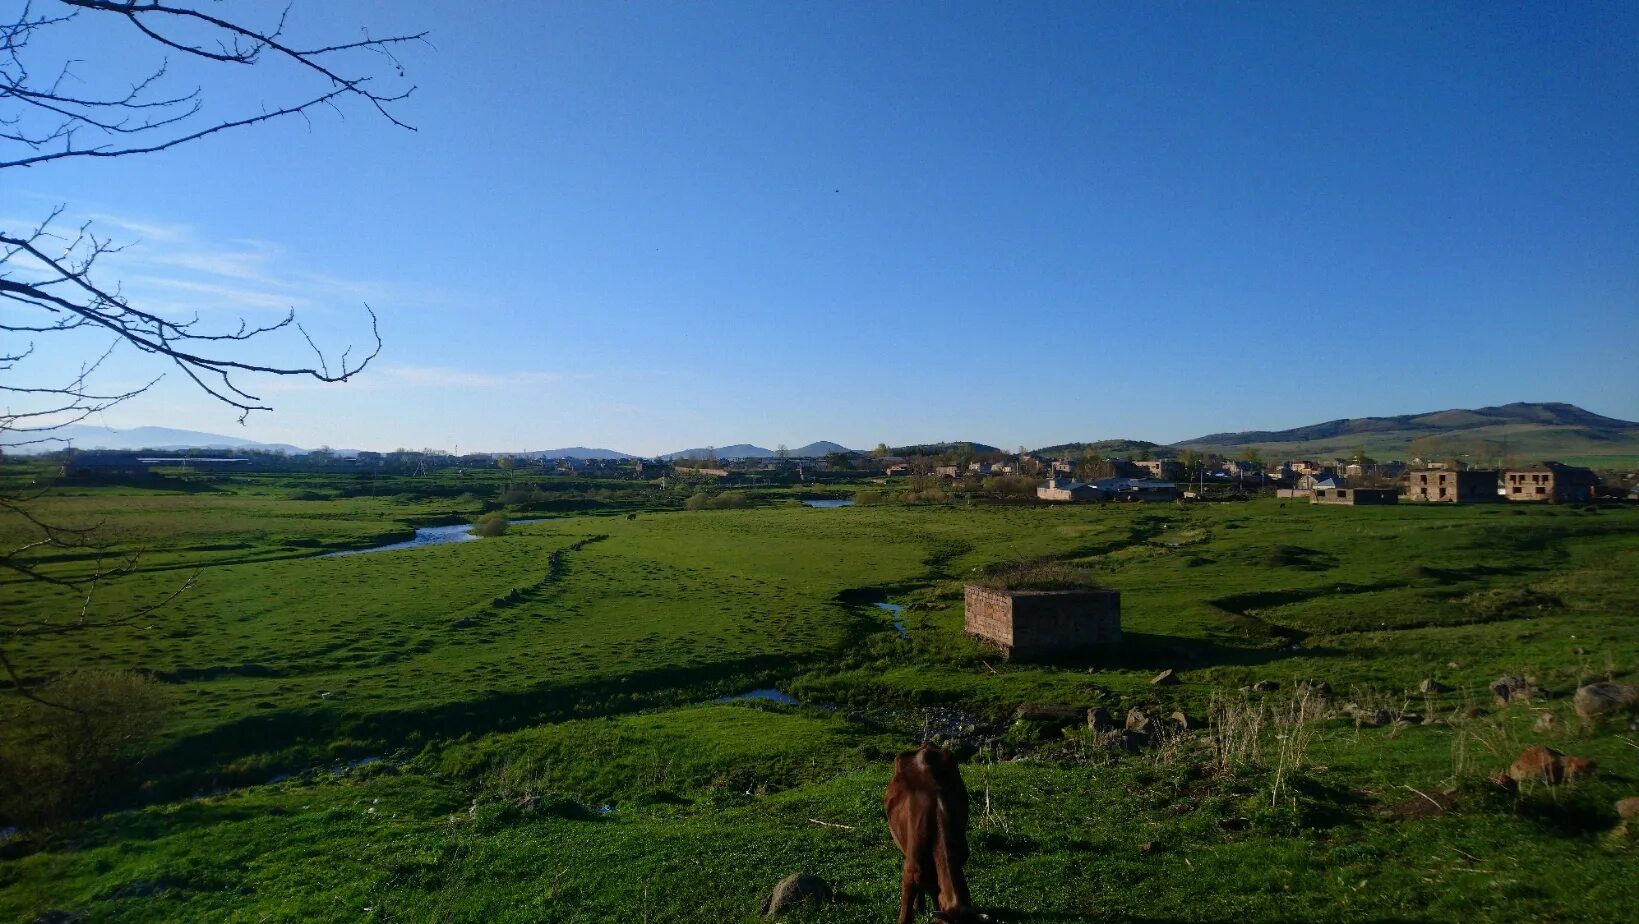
(425, 536)
(898, 620)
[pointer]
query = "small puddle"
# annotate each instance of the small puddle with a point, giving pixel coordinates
(425, 536)
(768, 693)
(898, 623)
(827, 504)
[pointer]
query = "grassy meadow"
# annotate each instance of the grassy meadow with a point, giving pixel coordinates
(528, 727)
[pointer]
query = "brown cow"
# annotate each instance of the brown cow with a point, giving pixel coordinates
(927, 814)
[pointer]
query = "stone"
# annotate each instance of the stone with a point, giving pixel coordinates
(1515, 689)
(1315, 687)
(1184, 722)
(1373, 717)
(1266, 686)
(1628, 809)
(1164, 679)
(1545, 722)
(1430, 685)
(1597, 701)
(1501, 780)
(797, 888)
(1149, 847)
(1138, 721)
(1409, 718)
(1538, 764)
(1099, 719)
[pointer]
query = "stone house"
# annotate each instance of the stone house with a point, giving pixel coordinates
(1042, 623)
(1161, 469)
(1063, 489)
(1549, 481)
(1448, 486)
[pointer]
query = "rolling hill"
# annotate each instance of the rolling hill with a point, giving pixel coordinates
(81, 436)
(1522, 431)
(748, 451)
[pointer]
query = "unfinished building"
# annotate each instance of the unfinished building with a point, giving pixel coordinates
(1039, 624)
(1447, 486)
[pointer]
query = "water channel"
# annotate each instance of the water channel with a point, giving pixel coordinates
(425, 536)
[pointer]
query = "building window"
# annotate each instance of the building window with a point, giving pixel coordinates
(1442, 492)
(1542, 490)
(1516, 489)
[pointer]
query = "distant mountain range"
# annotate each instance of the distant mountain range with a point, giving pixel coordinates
(1523, 431)
(572, 452)
(81, 436)
(748, 451)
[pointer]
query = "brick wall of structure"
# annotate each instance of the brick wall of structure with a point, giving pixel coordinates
(1042, 623)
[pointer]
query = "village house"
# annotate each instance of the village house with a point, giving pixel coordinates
(1448, 486)
(1549, 481)
(978, 468)
(1162, 469)
(1312, 482)
(899, 468)
(1136, 489)
(1308, 467)
(1064, 466)
(1063, 489)
(947, 471)
(1354, 497)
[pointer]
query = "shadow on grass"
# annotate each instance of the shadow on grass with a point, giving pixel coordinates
(1149, 651)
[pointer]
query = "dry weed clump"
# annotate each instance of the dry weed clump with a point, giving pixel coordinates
(1275, 737)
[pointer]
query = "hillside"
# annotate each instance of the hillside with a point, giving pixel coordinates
(1116, 447)
(934, 449)
(577, 452)
(748, 451)
(81, 436)
(1519, 431)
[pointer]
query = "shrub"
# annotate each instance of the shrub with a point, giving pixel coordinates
(490, 524)
(78, 755)
(728, 500)
(1037, 575)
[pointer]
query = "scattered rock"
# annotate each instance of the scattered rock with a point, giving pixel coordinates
(1315, 687)
(796, 888)
(1149, 847)
(1138, 721)
(1373, 717)
(1540, 764)
(1099, 719)
(1599, 700)
(1628, 809)
(1266, 686)
(1431, 805)
(1514, 689)
(1503, 781)
(1165, 678)
(1545, 722)
(1409, 718)
(1184, 722)
(1430, 685)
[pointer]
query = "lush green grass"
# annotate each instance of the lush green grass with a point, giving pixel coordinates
(520, 682)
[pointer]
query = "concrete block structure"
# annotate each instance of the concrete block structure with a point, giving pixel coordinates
(1354, 497)
(1447, 486)
(1549, 481)
(1040, 624)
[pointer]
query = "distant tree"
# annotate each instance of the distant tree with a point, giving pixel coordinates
(882, 451)
(782, 453)
(838, 460)
(1253, 455)
(1145, 455)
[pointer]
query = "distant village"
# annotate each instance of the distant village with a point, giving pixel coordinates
(1148, 475)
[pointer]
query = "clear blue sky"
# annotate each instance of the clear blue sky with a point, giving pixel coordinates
(650, 226)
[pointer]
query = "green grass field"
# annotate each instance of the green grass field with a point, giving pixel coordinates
(541, 704)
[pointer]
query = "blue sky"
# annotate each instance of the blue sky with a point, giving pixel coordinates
(650, 226)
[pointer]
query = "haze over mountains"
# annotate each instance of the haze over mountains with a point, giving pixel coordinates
(1522, 429)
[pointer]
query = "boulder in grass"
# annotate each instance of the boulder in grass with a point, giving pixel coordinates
(796, 889)
(1628, 809)
(1511, 688)
(1540, 764)
(1165, 678)
(1266, 686)
(1597, 701)
(1430, 685)
(1315, 687)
